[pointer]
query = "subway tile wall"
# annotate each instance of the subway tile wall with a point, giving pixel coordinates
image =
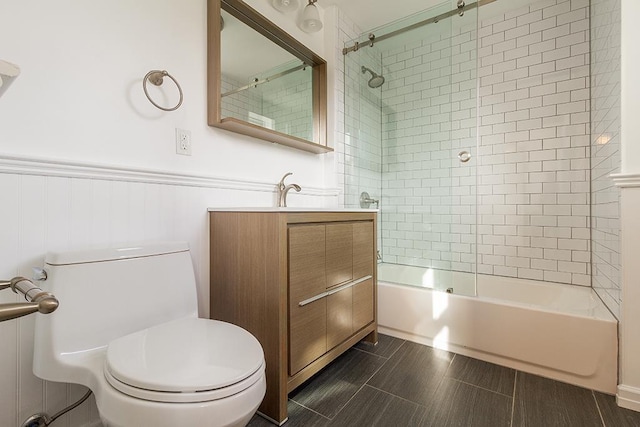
(605, 150)
(287, 100)
(534, 168)
(283, 102)
(361, 127)
(533, 163)
(238, 104)
(429, 116)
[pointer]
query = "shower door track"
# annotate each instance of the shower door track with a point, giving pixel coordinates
(373, 39)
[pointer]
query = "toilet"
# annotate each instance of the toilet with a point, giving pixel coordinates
(127, 328)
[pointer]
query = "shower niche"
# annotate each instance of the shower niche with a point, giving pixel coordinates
(262, 82)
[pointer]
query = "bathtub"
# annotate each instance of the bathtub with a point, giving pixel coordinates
(558, 331)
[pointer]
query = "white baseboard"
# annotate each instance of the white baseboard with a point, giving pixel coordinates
(628, 397)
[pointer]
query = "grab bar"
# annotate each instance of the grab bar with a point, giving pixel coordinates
(333, 291)
(39, 300)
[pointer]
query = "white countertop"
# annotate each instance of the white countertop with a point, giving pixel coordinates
(288, 209)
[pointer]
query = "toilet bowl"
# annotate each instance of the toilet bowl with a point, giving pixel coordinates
(129, 332)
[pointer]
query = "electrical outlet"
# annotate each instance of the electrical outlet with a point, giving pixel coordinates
(183, 142)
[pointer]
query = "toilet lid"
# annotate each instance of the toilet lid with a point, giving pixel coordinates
(185, 356)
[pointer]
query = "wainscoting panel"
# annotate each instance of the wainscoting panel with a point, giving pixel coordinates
(51, 206)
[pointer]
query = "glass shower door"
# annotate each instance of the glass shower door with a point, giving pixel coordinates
(428, 104)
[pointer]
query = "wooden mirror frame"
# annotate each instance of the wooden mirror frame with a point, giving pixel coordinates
(262, 25)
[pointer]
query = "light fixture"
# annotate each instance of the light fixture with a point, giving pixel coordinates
(8, 73)
(311, 22)
(285, 5)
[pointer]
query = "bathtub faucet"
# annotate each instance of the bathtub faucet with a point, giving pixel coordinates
(284, 189)
(366, 201)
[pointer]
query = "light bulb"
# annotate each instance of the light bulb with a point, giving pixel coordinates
(285, 5)
(311, 22)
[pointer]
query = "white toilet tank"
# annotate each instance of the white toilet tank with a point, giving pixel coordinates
(105, 294)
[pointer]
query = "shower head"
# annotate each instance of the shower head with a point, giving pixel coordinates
(376, 80)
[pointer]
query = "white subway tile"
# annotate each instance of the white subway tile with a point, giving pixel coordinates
(571, 62)
(576, 15)
(558, 76)
(528, 18)
(514, 13)
(543, 134)
(516, 32)
(544, 24)
(528, 61)
(556, 120)
(504, 25)
(559, 9)
(556, 32)
(529, 39)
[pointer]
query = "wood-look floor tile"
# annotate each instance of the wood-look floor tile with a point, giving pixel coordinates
(331, 389)
(615, 416)
(413, 372)
(460, 404)
(544, 402)
(387, 345)
(482, 374)
(371, 407)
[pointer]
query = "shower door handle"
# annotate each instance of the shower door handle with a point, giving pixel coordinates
(464, 156)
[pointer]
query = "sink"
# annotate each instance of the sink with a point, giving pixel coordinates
(289, 209)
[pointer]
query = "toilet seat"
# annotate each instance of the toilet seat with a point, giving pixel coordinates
(186, 360)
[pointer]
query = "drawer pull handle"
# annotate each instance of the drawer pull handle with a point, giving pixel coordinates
(333, 291)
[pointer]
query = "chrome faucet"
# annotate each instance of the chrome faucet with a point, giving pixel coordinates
(366, 201)
(284, 189)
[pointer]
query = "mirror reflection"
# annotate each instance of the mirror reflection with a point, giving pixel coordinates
(263, 84)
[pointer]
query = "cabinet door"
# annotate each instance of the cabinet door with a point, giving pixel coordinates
(339, 322)
(339, 253)
(363, 256)
(362, 304)
(307, 324)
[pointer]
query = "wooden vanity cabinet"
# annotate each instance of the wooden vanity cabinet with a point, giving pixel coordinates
(307, 278)
(303, 283)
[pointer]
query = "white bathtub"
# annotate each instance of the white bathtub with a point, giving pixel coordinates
(558, 331)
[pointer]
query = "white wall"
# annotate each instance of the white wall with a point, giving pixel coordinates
(86, 160)
(629, 181)
(79, 96)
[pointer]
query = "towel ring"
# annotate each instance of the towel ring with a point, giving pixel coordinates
(156, 78)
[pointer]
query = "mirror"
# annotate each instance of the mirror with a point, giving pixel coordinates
(262, 82)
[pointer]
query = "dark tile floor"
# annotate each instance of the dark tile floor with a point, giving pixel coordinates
(400, 383)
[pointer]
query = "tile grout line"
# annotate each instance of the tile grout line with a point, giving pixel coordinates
(418, 405)
(513, 403)
(388, 357)
(398, 349)
(370, 354)
(477, 386)
(309, 409)
(394, 395)
(444, 375)
(593, 393)
(364, 384)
